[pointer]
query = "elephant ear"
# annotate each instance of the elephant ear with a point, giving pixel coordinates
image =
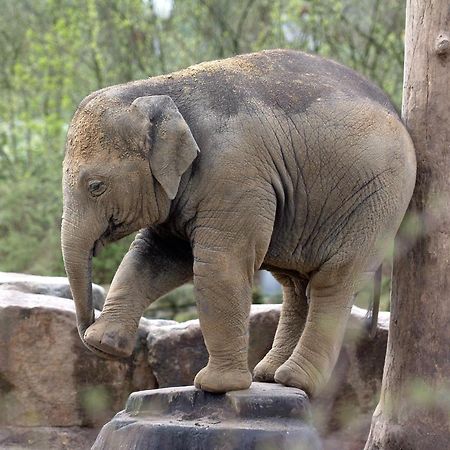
(172, 146)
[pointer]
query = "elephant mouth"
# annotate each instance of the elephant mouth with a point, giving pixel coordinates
(113, 232)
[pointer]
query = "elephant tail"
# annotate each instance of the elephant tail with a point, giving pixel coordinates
(371, 319)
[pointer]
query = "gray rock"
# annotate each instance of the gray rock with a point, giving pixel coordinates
(48, 377)
(54, 286)
(265, 416)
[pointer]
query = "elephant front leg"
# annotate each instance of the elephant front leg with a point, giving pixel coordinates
(223, 294)
(152, 267)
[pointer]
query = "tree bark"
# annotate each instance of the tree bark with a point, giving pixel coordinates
(414, 408)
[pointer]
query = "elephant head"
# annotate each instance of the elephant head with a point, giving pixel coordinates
(123, 165)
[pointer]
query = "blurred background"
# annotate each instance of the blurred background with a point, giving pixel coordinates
(55, 52)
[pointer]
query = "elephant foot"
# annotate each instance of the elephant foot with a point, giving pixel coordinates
(110, 338)
(293, 375)
(220, 381)
(265, 370)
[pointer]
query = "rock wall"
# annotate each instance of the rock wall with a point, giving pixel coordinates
(51, 386)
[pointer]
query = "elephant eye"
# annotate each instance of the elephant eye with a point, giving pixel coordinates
(96, 187)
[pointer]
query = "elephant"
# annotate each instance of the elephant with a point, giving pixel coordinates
(277, 160)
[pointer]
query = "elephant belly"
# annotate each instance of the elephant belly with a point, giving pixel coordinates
(341, 227)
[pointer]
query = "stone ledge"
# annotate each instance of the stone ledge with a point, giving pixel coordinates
(260, 401)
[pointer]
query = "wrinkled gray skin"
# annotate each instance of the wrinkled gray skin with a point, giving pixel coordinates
(276, 160)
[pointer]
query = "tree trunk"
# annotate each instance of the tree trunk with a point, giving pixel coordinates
(414, 408)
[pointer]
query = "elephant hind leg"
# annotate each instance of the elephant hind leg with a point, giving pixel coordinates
(313, 359)
(290, 326)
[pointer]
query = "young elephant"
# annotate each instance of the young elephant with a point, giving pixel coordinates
(277, 160)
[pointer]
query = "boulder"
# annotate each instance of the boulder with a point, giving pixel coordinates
(54, 286)
(177, 352)
(48, 378)
(264, 416)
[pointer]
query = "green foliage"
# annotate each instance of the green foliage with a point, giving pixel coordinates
(55, 52)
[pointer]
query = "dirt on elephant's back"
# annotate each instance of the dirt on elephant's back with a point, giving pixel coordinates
(240, 64)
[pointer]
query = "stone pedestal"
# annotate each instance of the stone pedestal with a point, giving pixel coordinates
(264, 417)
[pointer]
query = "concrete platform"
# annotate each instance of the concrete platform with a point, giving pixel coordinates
(265, 417)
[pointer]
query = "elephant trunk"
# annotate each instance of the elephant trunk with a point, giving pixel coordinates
(77, 252)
